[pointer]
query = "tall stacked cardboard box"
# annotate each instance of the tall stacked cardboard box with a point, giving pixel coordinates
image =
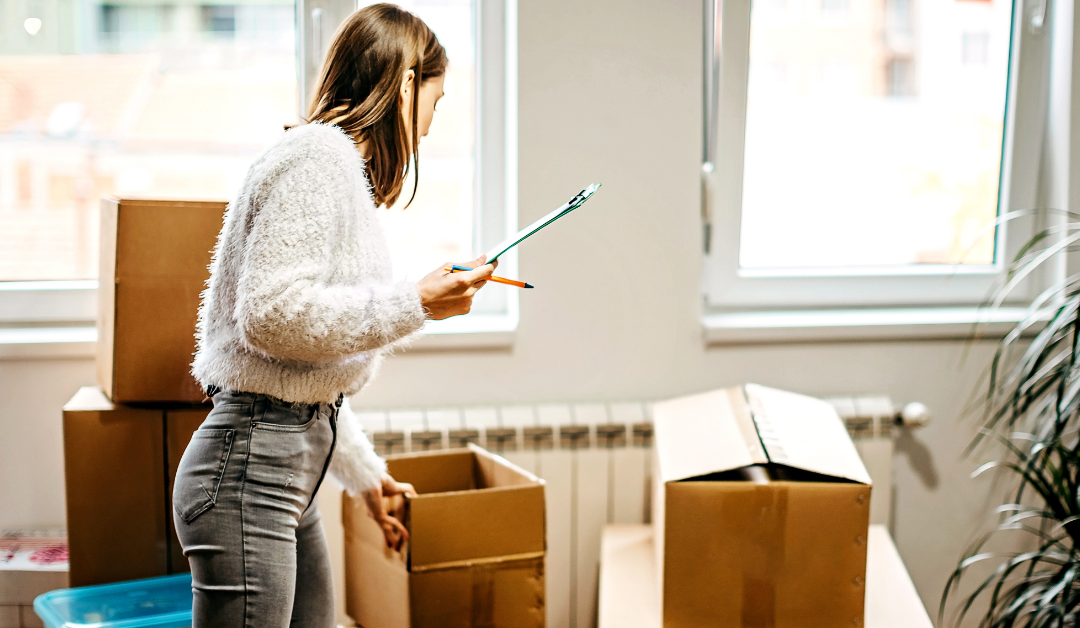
(123, 440)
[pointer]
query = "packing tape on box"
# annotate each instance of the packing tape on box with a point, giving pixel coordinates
(490, 584)
(764, 555)
(474, 562)
(484, 592)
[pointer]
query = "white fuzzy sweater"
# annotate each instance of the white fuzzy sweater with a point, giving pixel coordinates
(300, 304)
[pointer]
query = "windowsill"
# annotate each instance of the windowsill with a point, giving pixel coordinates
(777, 327)
(475, 332)
(472, 332)
(27, 343)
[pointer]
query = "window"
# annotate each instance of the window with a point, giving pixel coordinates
(899, 78)
(219, 19)
(834, 9)
(976, 48)
(877, 175)
(175, 98)
(899, 21)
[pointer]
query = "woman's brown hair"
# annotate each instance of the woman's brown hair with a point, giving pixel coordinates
(360, 87)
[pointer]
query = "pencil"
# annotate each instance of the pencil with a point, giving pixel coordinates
(510, 282)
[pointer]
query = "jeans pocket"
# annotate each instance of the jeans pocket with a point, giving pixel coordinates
(287, 418)
(199, 473)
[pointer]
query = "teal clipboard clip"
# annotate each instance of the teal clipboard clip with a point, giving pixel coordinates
(578, 200)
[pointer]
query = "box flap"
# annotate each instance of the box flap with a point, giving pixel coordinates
(448, 528)
(805, 433)
(436, 471)
(494, 471)
(706, 433)
(376, 577)
(472, 506)
(739, 427)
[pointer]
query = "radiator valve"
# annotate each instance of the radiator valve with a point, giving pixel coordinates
(913, 415)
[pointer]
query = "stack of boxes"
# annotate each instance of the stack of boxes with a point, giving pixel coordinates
(123, 440)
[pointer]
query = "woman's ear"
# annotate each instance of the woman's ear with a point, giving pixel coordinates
(407, 86)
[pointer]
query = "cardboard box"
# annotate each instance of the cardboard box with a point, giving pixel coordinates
(154, 265)
(761, 512)
(476, 551)
(119, 462)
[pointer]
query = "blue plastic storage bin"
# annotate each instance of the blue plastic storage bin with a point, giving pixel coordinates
(151, 603)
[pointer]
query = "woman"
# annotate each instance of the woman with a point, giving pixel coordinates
(300, 310)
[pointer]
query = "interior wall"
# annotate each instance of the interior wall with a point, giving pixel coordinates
(609, 91)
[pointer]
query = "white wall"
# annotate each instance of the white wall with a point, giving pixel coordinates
(609, 91)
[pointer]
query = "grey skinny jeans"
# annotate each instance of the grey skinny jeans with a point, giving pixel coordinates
(245, 512)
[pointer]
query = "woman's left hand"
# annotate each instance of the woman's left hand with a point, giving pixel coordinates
(393, 530)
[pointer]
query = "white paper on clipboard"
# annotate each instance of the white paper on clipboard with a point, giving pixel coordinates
(518, 237)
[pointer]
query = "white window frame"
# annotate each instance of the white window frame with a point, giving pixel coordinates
(731, 289)
(37, 305)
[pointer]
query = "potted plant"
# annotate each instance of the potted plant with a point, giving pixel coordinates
(1030, 422)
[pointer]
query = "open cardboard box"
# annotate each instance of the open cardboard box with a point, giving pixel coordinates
(475, 555)
(761, 512)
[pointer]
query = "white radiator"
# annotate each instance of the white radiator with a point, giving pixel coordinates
(595, 459)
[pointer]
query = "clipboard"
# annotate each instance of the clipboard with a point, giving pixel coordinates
(578, 200)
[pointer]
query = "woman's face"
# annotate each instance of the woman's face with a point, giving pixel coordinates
(431, 91)
(429, 94)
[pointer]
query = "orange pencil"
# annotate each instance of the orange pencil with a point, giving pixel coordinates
(510, 282)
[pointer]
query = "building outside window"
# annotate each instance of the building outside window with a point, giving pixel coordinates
(173, 99)
(219, 18)
(134, 99)
(834, 9)
(975, 48)
(899, 78)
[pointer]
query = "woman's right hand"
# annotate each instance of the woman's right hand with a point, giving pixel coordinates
(386, 504)
(444, 294)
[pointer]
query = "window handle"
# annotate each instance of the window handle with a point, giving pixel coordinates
(1036, 15)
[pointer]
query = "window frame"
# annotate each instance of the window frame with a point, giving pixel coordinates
(74, 302)
(729, 288)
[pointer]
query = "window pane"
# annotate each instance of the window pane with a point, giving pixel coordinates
(874, 132)
(438, 226)
(158, 98)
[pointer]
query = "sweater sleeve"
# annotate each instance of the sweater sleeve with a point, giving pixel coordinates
(284, 307)
(355, 464)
